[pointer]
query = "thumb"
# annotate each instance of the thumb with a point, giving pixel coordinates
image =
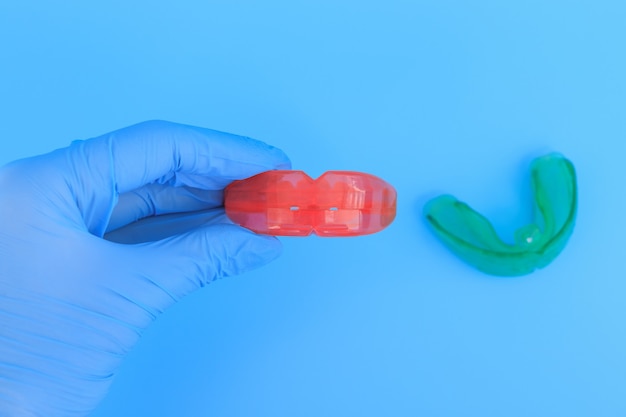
(184, 263)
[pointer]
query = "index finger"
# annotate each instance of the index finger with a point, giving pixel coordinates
(159, 152)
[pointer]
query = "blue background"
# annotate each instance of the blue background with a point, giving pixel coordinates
(433, 96)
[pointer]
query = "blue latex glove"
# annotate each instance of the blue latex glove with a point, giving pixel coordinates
(73, 303)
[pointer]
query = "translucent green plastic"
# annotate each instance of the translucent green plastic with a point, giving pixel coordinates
(472, 237)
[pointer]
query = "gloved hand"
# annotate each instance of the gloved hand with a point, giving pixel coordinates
(81, 277)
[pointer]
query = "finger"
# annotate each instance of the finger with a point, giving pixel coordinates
(158, 199)
(152, 229)
(159, 152)
(184, 263)
(175, 154)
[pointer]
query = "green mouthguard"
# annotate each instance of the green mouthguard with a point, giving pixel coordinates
(472, 237)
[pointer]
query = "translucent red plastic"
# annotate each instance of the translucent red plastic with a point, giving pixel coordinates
(290, 203)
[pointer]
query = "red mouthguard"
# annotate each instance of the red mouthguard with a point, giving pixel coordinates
(290, 203)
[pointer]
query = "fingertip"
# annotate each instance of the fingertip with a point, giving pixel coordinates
(284, 165)
(235, 250)
(261, 249)
(282, 160)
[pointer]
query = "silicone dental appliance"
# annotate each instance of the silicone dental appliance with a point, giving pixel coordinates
(290, 203)
(472, 237)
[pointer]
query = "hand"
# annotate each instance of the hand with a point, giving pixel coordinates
(81, 275)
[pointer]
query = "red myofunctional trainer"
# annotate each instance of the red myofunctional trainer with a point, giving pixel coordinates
(290, 203)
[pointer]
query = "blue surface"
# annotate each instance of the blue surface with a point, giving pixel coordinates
(433, 96)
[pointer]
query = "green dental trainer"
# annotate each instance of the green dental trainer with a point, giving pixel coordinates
(472, 237)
